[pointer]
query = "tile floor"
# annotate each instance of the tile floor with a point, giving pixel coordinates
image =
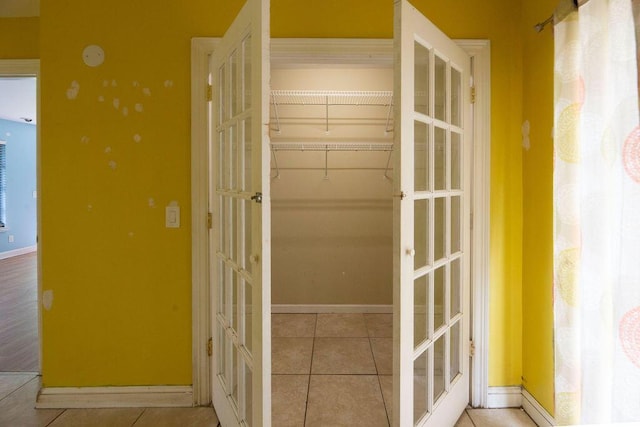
(328, 370)
(336, 370)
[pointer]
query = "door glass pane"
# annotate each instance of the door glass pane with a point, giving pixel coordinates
(420, 369)
(456, 97)
(440, 89)
(248, 313)
(420, 307)
(233, 164)
(456, 215)
(234, 373)
(421, 233)
(235, 287)
(222, 94)
(456, 153)
(421, 78)
(438, 297)
(439, 228)
(222, 217)
(234, 229)
(248, 389)
(222, 295)
(221, 354)
(222, 179)
(438, 368)
(440, 158)
(454, 351)
(421, 156)
(456, 287)
(247, 72)
(233, 82)
(247, 235)
(247, 155)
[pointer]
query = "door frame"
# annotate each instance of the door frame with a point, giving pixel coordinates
(359, 52)
(31, 68)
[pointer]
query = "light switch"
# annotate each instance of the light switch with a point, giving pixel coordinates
(173, 216)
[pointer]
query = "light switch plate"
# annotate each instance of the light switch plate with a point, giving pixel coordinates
(172, 218)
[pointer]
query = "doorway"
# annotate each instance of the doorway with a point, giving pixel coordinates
(20, 355)
(332, 246)
(359, 52)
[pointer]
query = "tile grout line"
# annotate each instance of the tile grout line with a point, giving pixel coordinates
(313, 346)
(21, 386)
(140, 416)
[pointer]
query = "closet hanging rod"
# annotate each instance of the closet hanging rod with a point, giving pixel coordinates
(335, 146)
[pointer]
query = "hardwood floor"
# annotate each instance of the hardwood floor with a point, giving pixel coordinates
(19, 314)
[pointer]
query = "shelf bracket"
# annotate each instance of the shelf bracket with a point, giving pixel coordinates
(275, 110)
(275, 162)
(326, 163)
(387, 168)
(387, 129)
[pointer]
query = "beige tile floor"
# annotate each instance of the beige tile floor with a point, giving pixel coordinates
(335, 370)
(329, 370)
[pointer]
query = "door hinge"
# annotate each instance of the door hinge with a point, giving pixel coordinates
(402, 195)
(210, 347)
(209, 93)
(472, 349)
(473, 94)
(209, 220)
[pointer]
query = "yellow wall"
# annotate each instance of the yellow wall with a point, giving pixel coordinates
(121, 281)
(19, 38)
(537, 283)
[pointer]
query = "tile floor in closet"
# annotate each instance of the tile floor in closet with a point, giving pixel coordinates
(336, 370)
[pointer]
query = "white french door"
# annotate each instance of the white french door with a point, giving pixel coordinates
(240, 233)
(431, 223)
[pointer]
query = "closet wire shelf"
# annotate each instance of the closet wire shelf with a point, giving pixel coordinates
(326, 148)
(330, 98)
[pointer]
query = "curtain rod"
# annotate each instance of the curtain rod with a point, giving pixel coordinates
(541, 25)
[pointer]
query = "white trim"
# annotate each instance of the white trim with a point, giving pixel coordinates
(18, 252)
(537, 413)
(31, 67)
(331, 308)
(115, 397)
(201, 48)
(504, 397)
(480, 51)
(348, 51)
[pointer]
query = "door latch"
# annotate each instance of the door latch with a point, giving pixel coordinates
(257, 197)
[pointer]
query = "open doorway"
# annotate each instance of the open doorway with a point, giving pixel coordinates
(19, 325)
(331, 224)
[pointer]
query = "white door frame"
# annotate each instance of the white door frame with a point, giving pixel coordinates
(31, 68)
(370, 52)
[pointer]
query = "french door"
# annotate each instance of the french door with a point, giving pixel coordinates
(431, 223)
(240, 233)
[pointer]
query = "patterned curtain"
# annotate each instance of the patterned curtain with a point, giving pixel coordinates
(597, 215)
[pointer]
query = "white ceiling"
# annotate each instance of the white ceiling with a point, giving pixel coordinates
(18, 99)
(19, 8)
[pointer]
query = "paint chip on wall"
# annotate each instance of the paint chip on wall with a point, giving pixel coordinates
(116, 103)
(85, 139)
(168, 83)
(152, 202)
(146, 91)
(125, 111)
(47, 299)
(137, 138)
(526, 129)
(72, 91)
(138, 107)
(113, 165)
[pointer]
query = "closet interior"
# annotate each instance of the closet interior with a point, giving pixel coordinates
(331, 185)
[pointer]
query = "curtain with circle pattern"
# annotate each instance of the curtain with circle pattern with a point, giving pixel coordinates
(597, 215)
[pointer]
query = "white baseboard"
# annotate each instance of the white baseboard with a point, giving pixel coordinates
(331, 308)
(115, 397)
(504, 397)
(537, 413)
(17, 252)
